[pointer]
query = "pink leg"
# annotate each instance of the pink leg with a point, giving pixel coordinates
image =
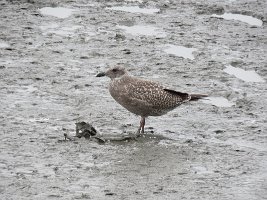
(143, 122)
(142, 126)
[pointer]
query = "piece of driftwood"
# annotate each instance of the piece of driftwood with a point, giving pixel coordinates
(86, 130)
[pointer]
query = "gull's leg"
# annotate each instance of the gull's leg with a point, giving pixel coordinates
(142, 124)
(141, 129)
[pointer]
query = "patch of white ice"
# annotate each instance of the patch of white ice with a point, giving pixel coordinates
(38, 119)
(239, 143)
(49, 26)
(180, 51)
(139, 1)
(248, 76)
(201, 169)
(143, 30)
(3, 45)
(218, 101)
(65, 31)
(243, 18)
(56, 12)
(247, 144)
(135, 9)
(55, 29)
(5, 62)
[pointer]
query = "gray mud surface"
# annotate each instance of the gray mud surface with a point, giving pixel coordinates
(197, 151)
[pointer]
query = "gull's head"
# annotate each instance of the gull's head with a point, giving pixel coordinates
(115, 72)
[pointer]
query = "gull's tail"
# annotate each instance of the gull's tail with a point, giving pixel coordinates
(195, 97)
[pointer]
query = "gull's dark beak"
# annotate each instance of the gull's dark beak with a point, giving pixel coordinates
(101, 74)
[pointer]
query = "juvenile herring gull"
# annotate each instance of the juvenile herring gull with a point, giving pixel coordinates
(143, 97)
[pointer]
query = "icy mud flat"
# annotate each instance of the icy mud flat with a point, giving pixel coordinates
(212, 149)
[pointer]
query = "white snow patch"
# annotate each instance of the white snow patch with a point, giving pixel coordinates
(243, 18)
(248, 76)
(180, 51)
(143, 30)
(56, 12)
(135, 9)
(218, 101)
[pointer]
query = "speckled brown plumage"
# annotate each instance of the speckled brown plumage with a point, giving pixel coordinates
(143, 97)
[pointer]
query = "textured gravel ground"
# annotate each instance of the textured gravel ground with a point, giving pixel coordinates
(198, 151)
